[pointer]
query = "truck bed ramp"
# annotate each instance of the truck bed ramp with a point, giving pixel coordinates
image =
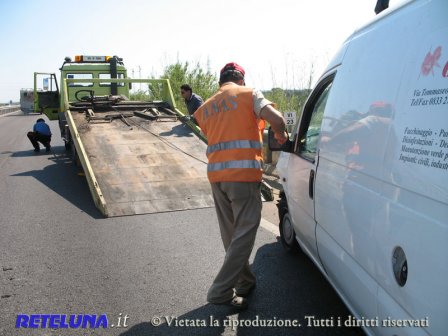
(140, 159)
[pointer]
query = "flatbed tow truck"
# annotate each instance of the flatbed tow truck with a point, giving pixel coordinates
(138, 156)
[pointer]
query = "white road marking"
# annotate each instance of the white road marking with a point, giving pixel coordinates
(267, 225)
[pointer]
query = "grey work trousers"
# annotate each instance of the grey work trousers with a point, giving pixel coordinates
(238, 206)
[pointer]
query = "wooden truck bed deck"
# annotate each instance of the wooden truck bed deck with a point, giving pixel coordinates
(141, 166)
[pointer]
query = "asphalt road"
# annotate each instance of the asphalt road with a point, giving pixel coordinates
(59, 256)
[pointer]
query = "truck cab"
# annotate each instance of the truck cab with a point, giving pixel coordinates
(50, 100)
(90, 67)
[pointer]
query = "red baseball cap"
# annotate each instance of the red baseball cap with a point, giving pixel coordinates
(233, 66)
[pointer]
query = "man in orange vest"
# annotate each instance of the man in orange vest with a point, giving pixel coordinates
(231, 120)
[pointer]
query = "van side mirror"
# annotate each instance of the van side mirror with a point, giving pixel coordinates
(275, 146)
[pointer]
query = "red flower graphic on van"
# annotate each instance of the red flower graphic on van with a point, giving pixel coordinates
(431, 61)
(445, 70)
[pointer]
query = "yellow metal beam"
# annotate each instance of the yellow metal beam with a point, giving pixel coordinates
(95, 190)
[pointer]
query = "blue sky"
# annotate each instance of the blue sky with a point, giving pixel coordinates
(277, 42)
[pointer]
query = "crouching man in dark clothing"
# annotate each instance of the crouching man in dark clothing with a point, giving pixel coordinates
(41, 133)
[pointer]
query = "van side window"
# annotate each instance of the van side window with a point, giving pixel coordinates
(309, 129)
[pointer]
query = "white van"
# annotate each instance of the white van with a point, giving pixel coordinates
(366, 178)
(27, 100)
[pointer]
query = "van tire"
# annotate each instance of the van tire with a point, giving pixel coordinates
(287, 234)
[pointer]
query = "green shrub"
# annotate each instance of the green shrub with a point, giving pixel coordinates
(203, 82)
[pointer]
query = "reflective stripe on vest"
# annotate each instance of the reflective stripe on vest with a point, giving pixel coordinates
(244, 164)
(235, 144)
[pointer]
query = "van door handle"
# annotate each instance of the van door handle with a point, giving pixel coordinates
(311, 185)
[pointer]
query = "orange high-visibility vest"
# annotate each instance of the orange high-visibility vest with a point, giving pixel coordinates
(235, 140)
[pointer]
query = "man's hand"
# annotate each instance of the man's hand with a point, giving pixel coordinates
(281, 137)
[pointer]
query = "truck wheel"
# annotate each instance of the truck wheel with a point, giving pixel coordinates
(287, 234)
(74, 154)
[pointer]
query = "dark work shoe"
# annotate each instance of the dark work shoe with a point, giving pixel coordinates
(48, 148)
(239, 302)
(36, 150)
(246, 293)
(236, 302)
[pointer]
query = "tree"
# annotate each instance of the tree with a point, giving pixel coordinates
(288, 100)
(203, 82)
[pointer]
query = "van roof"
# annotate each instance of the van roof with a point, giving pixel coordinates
(386, 13)
(339, 55)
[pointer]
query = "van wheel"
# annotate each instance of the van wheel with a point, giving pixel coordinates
(287, 234)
